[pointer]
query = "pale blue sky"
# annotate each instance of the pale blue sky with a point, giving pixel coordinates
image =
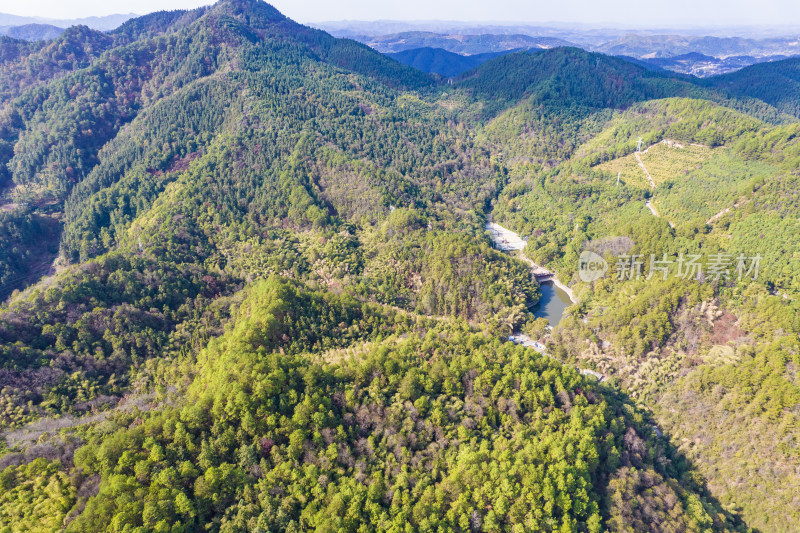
(658, 13)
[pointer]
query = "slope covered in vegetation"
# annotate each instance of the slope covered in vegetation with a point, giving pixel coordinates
(724, 186)
(428, 426)
(275, 306)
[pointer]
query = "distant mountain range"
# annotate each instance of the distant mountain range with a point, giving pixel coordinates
(105, 23)
(32, 32)
(462, 43)
(450, 64)
(656, 46)
(687, 53)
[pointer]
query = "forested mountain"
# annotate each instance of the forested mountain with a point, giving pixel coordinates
(776, 83)
(32, 32)
(247, 287)
(440, 61)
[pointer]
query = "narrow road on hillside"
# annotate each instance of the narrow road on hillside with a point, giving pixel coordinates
(646, 173)
(648, 203)
(653, 210)
(719, 215)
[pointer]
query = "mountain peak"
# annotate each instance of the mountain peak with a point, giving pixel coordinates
(251, 12)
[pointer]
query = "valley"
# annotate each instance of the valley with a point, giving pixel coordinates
(555, 296)
(256, 277)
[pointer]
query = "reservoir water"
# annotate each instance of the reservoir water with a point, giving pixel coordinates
(554, 299)
(553, 303)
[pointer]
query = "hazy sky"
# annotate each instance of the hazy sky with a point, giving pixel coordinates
(659, 13)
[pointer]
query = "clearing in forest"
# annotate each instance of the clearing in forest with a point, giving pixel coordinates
(665, 161)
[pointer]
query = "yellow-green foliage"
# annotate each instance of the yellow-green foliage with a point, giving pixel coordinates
(448, 429)
(629, 171)
(668, 162)
(35, 497)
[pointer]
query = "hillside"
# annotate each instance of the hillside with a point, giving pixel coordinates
(776, 83)
(440, 61)
(248, 287)
(332, 407)
(32, 32)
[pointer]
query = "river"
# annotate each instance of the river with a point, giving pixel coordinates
(556, 296)
(553, 303)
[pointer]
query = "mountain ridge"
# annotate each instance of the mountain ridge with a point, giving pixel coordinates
(271, 302)
(32, 32)
(107, 22)
(440, 61)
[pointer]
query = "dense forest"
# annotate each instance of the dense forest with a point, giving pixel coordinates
(247, 287)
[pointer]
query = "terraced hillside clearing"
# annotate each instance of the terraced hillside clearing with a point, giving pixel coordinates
(660, 163)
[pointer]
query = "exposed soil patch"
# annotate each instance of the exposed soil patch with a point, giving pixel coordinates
(726, 329)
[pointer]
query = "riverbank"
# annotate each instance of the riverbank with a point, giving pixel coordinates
(567, 290)
(539, 270)
(508, 241)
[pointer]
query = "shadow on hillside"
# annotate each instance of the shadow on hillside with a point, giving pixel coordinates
(631, 482)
